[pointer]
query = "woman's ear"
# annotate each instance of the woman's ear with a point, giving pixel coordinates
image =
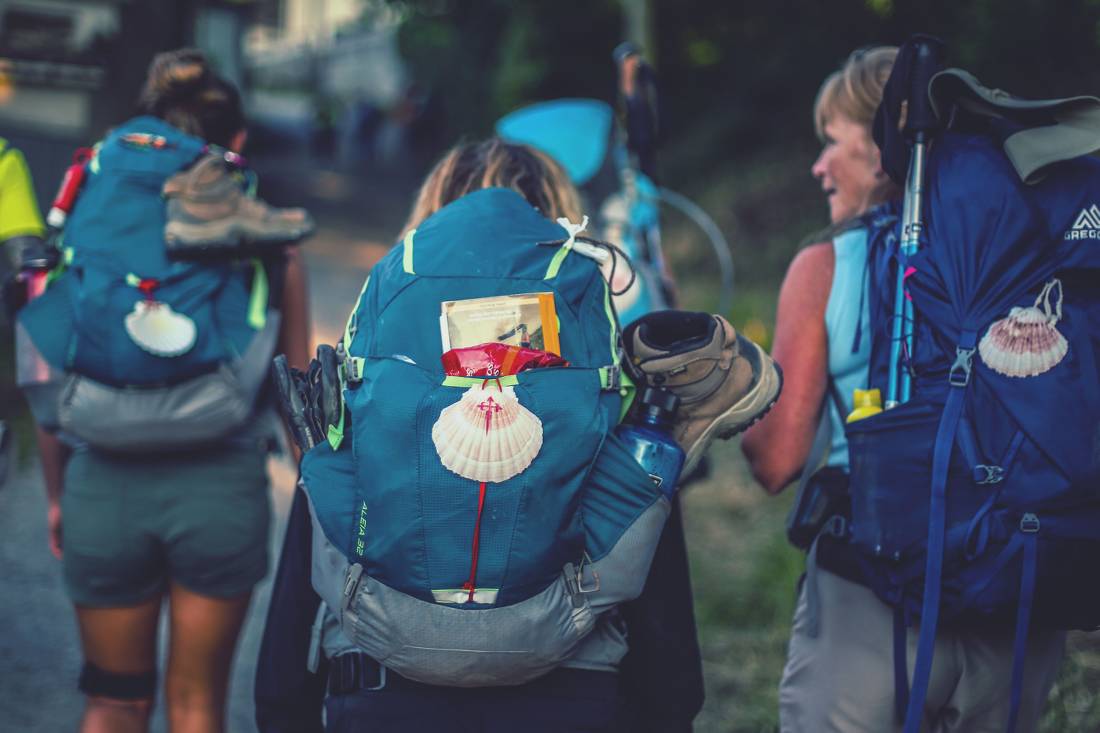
(876, 162)
(236, 143)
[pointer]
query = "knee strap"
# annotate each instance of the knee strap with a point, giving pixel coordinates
(98, 682)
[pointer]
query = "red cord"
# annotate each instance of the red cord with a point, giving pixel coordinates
(477, 533)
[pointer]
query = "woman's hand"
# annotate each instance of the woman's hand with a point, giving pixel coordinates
(55, 455)
(53, 524)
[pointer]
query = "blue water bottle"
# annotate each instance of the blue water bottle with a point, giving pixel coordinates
(649, 439)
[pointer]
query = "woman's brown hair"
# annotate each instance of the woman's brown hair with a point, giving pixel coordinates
(470, 167)
(182, 89)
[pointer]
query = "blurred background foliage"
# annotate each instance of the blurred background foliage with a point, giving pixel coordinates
(737, 82)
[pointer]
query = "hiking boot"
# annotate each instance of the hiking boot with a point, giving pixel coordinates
(725, 382)
(209, 212)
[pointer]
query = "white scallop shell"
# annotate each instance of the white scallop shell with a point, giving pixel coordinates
(158, 329)
(487, 435)
(1023, 344)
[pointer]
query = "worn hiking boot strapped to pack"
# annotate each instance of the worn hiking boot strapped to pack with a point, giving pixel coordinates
(208, 209)
(725, 382)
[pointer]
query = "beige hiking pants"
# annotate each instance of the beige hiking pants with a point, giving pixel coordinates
(843, 679)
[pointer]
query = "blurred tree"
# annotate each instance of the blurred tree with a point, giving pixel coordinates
(735, 75)
(483, 58)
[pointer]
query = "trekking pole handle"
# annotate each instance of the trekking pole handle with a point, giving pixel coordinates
(920, 118)
(638, 90)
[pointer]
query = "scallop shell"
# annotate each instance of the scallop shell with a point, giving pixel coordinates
(158, 329)
(487, 435)
(1023, 344)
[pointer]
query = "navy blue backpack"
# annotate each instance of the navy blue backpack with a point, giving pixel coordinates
(978, 501)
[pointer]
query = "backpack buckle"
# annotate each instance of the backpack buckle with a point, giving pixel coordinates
(984, 474)
(1029, 523)
(835, 526)
(613, 379)
(959, 376)
(586, 561)
(351, 584)
(352, 375)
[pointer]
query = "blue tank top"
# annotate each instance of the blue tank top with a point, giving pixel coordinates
(847, 325)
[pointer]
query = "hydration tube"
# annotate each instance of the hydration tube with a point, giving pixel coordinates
(718, 242)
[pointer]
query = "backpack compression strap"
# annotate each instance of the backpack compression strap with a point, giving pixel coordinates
(958, 379)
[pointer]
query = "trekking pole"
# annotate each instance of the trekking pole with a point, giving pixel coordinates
(638, 92)
(920, 126)
(638, 89)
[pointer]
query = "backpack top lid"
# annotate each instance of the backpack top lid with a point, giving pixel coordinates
(487, 243)
(992, 243)
(120, 213)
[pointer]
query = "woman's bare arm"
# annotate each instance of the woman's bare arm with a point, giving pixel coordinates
(294, 335)
(778, 446)
(54, 455)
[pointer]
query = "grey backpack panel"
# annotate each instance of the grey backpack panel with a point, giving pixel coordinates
(442, 645)
(622, 572)
(196, 411)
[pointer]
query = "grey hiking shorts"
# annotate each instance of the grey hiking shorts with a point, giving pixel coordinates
(131, 524)
(842, 680)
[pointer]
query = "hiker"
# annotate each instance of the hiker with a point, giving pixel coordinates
(839, 674)
(20, 221)
(580, 691)
(21, 230)
(144, 519)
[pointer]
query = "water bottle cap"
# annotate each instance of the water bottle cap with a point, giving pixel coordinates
(867, 398)
(661, 399)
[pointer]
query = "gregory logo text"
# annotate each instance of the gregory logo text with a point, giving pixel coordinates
(1087, 224)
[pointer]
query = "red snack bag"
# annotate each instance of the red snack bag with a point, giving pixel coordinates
(496, 360)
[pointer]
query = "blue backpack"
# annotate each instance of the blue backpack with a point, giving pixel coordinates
(437, 576)
(131, 389)
(978, 501)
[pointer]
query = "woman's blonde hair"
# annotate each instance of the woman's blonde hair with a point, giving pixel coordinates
(492, 163)
(855, 90)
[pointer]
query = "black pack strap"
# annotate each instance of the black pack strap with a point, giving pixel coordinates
(355, 671)
(98, 682)
(815, 461)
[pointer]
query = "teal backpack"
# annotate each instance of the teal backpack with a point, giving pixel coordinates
(154, 354)
(441, 577)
